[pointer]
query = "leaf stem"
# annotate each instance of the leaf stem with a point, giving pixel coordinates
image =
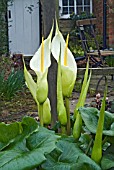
(68, 116)
(63, 130)
(88, 148)
(41, 114)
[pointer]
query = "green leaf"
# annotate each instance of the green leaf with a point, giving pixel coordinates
(7, 133)
(44, 139)
(70, 157)
(20, 158)
(28, 151)
(29, 125)
(10, 132)
(30, 82)
(110, 131)
(90, 117)
(84, 142)
(107, 161)
(97, 146)
(84, 90)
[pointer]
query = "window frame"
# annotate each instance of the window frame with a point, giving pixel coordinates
(65, 16)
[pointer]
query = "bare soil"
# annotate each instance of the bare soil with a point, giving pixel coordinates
(23, 105)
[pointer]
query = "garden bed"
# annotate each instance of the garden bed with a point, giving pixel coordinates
(23, 104)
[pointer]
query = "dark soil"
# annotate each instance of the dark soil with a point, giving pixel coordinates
(21, 105)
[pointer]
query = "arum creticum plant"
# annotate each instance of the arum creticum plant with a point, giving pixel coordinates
(97, 147)
(68, 68)
(45, 149)
(40, 64)
(78, 120)
(68, 64)
(61, 110)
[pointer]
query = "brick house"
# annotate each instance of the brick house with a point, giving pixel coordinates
(98, 11)
(102, 9)
(31, 14)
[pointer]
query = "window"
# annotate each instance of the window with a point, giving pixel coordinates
(67, 7)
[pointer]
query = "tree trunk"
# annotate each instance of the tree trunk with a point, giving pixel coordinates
(49, 10)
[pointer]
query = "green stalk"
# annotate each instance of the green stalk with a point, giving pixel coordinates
(63, 129)
(88, 148)
(83, 93)
(97, 147)
(41, 114)
(68, 115)
(77, 127)
(61, 110)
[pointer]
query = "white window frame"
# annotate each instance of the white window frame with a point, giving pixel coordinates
(75, 9)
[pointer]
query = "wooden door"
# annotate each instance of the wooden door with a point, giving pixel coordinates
(23, 26)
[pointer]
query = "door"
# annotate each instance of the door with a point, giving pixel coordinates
(23, 26)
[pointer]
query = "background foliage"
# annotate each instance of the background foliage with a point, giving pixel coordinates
(3, 27)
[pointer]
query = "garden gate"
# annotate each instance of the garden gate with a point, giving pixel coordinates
(23, 26)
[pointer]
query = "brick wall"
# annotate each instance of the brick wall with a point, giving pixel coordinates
(98, 11)
(110, 22)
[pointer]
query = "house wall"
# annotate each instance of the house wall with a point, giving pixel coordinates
(110, 22)
(98, 11)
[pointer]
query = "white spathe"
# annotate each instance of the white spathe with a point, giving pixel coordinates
(69, 71)
(35, 62)
(58, 47)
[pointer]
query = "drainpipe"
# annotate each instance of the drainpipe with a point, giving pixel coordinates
(104, 24)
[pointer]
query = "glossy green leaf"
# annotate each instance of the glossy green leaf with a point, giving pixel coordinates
(107, 162)
(44, 139)
(28, 150)
(70, 157)
(7, 133)
(84, 142)
(28, 125)
(90, 117)
(84, 90)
